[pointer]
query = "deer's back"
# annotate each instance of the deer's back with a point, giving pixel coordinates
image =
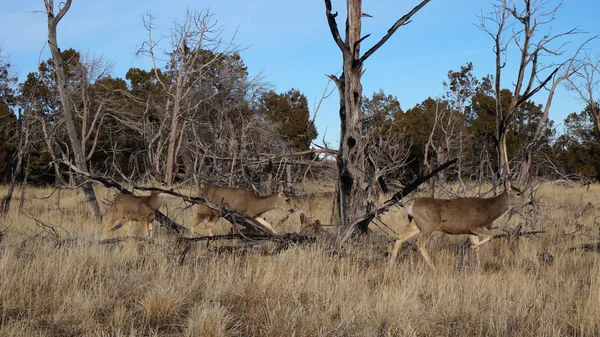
(454, 216)
(134, 206)
(238, 198)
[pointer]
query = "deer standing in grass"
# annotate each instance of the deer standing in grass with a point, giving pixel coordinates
(472, 216)
(128, 207)
(242, 201)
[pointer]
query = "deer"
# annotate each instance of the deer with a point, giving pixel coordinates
(128, 207)
(473, 216)
(242, 201)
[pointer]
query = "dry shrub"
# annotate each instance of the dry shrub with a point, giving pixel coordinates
(210, 320)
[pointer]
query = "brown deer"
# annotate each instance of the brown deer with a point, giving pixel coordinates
(128, 207)
(241, 200)
(472, 216)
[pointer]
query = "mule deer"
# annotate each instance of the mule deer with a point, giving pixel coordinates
(128, 207)
(472, 216)
(241, 200)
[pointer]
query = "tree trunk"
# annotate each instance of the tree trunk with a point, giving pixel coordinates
(61, 82)
(21, 148)
(24, 186)
(173, 140)
(526, 167)
(350, 200)
(503, 167)
(351, 158)
(441, 158)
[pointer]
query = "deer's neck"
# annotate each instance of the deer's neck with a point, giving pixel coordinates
(154, 200)
(498, 205)
(263, 204)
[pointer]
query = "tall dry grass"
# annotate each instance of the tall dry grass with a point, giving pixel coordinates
(79, 287)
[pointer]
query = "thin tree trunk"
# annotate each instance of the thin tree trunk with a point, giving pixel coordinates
(22, 142)
(61, 82)
(503, 167)
(24, 186)
(172, 148)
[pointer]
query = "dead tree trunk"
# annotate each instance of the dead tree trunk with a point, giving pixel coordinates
(22, 143)
(67, 110)
(351, 156)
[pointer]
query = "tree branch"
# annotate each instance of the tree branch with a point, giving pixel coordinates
(333, 26)
(401, 22)
(62, 12)
(528, 95)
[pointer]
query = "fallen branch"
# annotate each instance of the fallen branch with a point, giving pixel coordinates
(126, 238)
(285, 238)
(508, 235)
(588, 247)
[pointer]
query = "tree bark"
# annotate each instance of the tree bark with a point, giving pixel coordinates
(351, 157)
(61, 82)
(172, 153)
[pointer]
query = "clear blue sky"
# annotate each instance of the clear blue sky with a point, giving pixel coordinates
(290, 43)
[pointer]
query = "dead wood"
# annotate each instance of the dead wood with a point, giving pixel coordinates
(587, 247)
(513, 235)
(126, 238)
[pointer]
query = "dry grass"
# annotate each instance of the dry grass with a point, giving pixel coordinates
(137, 288)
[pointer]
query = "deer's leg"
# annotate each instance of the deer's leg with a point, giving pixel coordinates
(475, 241)
(266, 224)
(198, 220)
(115, 224)
(421, 242)
(209, 225)
(149, 226)
(483, 232)
(407, 234)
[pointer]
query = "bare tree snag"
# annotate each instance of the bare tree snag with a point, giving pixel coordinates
(570, 67)
(586, 84)
(197, 44)
(67, 109)
(351, 153)
(531, 76)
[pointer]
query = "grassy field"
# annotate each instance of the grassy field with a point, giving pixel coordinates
(51, 287)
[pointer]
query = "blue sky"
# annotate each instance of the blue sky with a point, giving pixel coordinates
(290, 43)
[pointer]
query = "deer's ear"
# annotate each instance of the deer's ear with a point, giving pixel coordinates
(280, 188)
(507, 184)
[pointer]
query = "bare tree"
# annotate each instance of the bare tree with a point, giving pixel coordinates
(88, 102)
(533, 45)
(196, 45)
(569, 68)
(67, 108)
(351, 153)
(586, 84)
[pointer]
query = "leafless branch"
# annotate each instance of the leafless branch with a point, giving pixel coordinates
(401, 22)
